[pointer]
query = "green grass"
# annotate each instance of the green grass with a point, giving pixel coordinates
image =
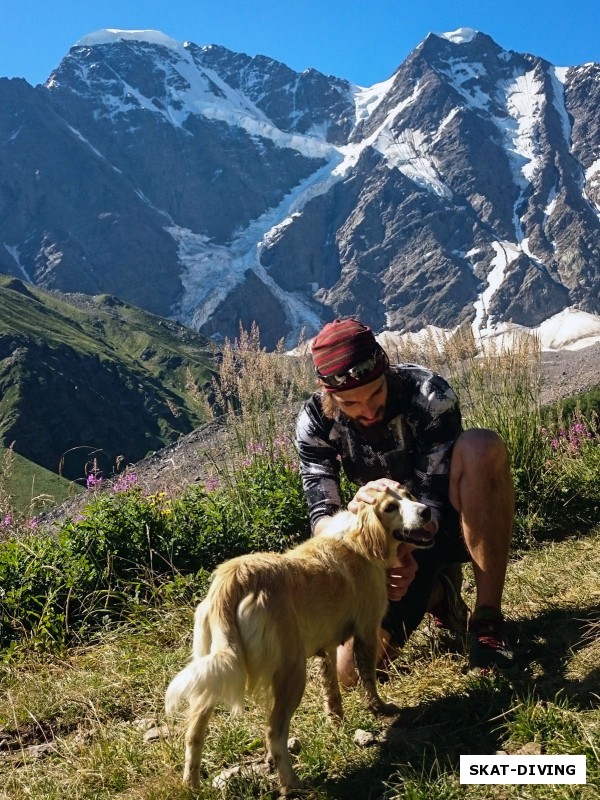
(94, 704)
(34, 489)
(108, 328)
(94, 373)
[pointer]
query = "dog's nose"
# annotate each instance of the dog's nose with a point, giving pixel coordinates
(426, 514)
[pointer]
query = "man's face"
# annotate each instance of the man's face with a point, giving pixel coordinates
(365, 404)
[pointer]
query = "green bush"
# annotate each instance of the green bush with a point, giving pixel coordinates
(586, 404)
(127, 549)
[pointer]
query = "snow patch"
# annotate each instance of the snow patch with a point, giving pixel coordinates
(560, 73)
(592, 171)
(367, 100)
(94, 150)
(113, 35)
(407, 152)
(460, 35)
(505, 255)
(462, 72)
(523, 98)
(558, 90)
(211, 272)
(570, 329)
(14, 252)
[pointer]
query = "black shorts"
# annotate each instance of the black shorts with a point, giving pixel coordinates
(403, 616)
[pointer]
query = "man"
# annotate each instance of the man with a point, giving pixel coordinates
(387, 425)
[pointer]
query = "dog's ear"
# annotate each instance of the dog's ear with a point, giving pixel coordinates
(371, 536)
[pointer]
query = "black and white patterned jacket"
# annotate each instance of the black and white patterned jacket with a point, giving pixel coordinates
(413, 447)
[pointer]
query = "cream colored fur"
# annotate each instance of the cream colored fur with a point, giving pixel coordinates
(266, 613)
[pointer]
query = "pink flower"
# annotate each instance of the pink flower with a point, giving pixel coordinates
(212, 484)
(125, 482)
(93, 480)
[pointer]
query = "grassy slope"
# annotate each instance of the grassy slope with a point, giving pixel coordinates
(94, 704)
(33, 488)
(153, 358)
(108, 328)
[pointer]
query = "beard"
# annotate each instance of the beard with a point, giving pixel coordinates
(377, 419)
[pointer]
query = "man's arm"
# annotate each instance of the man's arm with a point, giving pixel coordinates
(319, 467)
(436, 422)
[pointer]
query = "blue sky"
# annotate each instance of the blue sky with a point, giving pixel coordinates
(361, 40)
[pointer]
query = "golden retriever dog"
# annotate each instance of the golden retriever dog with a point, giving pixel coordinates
(265, 614)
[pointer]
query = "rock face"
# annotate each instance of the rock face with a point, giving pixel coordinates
(216, 188)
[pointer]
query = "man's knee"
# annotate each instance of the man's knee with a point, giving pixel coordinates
(480, 467)
(480, 449)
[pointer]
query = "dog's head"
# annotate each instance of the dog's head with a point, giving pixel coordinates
(396, 517)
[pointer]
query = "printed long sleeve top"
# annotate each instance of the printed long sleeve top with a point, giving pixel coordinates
(413, 446)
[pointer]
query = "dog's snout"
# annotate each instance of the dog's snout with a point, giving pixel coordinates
(426, 514)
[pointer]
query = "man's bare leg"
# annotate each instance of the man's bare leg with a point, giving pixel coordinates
(482, 492)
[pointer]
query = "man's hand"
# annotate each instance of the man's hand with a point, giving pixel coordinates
(364, 493)
(402, 574)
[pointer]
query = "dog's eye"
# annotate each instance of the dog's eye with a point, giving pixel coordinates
(390, 507)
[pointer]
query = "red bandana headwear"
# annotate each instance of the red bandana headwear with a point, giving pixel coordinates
(345, 355)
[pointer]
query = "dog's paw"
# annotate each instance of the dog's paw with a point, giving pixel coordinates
(335, 714)
(297, 790)
(385, 709)
(192, 781)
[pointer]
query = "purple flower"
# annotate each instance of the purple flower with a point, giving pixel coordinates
(7, 521)
(212, 484)
(93, 480)
(125, 482)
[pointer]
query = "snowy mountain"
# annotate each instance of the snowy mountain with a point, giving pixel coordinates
(216, 188)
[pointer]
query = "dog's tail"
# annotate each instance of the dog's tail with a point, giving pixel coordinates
(217, 672)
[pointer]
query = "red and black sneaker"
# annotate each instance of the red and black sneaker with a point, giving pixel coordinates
(489, 649)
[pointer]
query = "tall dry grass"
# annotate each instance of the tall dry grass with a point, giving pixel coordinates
(257, 394)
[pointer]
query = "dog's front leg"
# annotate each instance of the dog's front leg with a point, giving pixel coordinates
(365, 657)
(331, 687)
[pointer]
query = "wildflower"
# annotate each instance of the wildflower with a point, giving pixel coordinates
(34, 523)
(93, 480)
(212, 484)
(7, 521)
(125, 482)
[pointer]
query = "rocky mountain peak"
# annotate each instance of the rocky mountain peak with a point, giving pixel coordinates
(215, 187)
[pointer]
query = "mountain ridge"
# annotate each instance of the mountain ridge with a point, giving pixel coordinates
(460, 191)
